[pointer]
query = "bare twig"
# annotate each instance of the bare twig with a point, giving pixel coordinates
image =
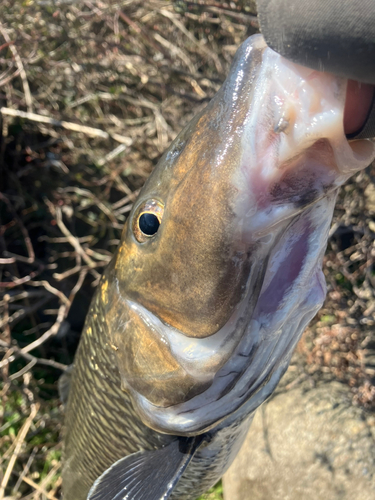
(63, 311)
(38, 488)
(109, 156)
(21, 69)
(26, 469)
(78, 285)
(239, 16)
(88, 194)
(192, 38)
(9, 78)
(30, 259)
(52, 290)
(20, 281)
(74, 127)
(10, 260)
(56, 211)
(20, 352)
(77, 269)
(17, 316)
(24, 370)
(19, 442)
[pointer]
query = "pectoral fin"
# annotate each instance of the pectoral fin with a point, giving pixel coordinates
(64, 384)
(146, 475)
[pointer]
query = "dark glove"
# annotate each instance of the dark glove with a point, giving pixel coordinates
(328, 35)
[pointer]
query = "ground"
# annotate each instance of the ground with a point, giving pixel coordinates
(106, 86)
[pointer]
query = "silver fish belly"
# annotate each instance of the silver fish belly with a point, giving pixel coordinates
(218, 272)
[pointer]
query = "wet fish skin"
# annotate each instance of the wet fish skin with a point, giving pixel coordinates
(103, 426)
(190, 336)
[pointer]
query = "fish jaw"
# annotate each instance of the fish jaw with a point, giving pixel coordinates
(294, 148)
(280, 164)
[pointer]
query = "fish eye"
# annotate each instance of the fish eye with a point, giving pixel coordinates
(148, 224)
(147, 220)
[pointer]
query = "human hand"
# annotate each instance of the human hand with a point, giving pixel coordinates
(336, 36)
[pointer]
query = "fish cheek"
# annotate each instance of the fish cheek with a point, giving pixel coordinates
(196, 276)
(195, 296)
(145, 361)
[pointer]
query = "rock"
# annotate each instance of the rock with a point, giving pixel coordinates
(306, 444)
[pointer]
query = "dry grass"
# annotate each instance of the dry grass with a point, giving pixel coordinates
(340, 342)
(92, 93)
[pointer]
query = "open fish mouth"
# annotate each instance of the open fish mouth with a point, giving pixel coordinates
(279, 161)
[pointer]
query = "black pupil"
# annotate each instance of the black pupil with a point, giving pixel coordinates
(149, 224)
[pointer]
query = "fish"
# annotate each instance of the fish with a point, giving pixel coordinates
(217, 274)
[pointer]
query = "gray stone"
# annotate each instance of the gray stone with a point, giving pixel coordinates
(306, 444)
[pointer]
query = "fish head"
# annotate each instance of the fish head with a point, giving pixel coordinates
(192, 272)
(219, 266)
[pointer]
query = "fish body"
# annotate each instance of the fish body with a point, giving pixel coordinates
(104, 427)
(217, 274)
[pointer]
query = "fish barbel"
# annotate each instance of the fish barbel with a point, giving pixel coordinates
(218, 272)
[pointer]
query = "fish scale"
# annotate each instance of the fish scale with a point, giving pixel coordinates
(97, 437)
(104, 427)
(207, 468)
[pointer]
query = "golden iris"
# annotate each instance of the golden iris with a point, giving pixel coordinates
(147, 220)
